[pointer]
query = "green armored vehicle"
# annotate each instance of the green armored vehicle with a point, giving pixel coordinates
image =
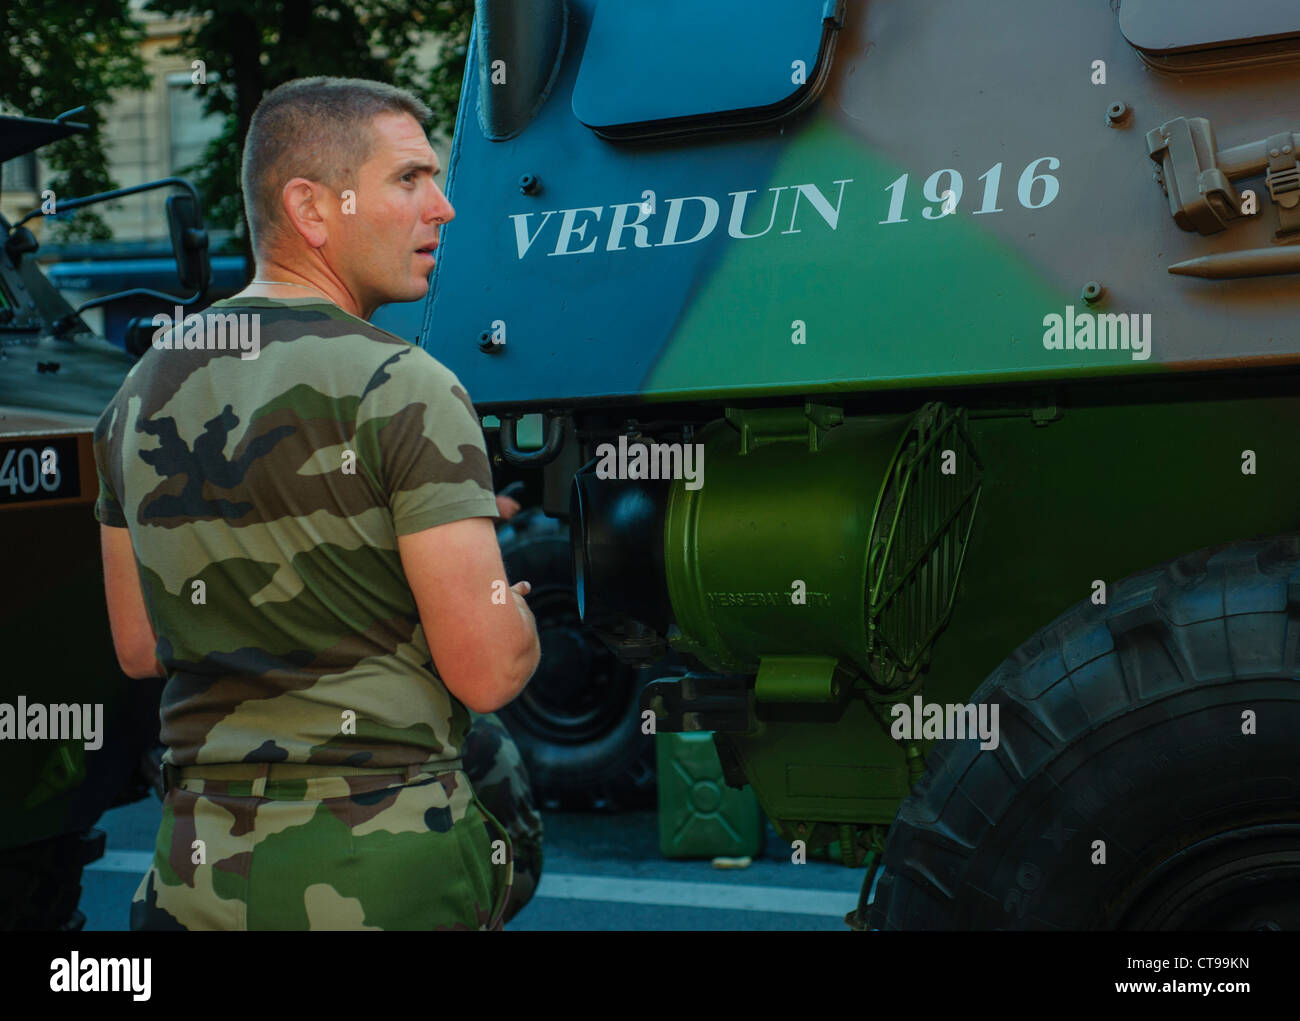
(923, 377)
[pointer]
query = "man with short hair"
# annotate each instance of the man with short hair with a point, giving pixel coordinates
(302, 543)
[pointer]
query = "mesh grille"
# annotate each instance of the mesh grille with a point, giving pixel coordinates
(922, 524)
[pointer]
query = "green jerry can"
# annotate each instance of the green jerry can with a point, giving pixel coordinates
(699, 815)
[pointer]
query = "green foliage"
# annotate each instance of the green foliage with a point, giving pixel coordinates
(452, 20)
(250, 46)
(60, 56)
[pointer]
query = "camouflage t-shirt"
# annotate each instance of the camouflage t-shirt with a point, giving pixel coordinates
(264, 496)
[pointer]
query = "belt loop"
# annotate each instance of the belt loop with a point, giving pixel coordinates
(259, 782)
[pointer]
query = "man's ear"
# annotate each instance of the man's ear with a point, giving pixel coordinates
(303, 213)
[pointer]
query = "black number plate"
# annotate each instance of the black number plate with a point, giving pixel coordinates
(37, 469)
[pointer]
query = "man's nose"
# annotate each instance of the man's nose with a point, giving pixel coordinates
(441, 210)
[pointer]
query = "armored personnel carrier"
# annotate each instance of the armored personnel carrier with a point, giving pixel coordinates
(924, 378)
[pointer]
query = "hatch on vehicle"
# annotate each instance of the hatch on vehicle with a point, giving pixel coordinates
(1195, 35)
(681, 66)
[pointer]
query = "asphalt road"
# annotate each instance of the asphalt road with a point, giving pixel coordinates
(600, 872)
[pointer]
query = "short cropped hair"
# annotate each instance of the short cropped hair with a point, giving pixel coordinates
(318, 128)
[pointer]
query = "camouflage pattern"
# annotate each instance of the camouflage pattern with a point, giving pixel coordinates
(345, 852)
(232, 472)
(281, 483)
(500, 778)
(792, 219)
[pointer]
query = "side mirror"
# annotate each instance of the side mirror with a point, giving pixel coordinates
(139, 335)
(189, 242)
(21, 242)
(189, 246)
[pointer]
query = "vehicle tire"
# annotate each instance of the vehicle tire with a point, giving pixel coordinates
(578, 722)
(1123, 729)
(40, 884)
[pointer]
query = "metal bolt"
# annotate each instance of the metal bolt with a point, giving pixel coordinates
(530, 184)
(1286, 148)
(1274, 153)
(1116, 114)
(1092, 292)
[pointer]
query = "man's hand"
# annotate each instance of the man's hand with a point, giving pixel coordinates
(520, 589)
(507, 507)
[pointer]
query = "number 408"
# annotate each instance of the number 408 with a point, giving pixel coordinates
(950, 195)
(24, 469)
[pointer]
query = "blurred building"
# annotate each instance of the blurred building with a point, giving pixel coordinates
(154, 133)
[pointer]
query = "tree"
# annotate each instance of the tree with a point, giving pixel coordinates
(255, 45)
(60, 56)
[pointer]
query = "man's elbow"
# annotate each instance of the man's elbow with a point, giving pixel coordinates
(138, 664)
(510, 679)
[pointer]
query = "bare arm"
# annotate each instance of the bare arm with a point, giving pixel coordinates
(133, 638)
(485, 648)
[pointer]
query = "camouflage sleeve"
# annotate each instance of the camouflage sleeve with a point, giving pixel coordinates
(108, 509)
(433, 461)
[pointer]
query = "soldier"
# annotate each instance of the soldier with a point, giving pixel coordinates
(297, 532)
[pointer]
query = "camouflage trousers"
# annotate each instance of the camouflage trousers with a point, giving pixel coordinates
(347, 852)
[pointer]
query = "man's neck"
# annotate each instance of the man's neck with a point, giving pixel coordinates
(275, 279)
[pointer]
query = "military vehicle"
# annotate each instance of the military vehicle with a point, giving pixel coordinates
(75, 733)
(922, 377)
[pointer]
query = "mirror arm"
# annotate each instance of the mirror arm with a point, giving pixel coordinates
(64, 205)
(65, 323)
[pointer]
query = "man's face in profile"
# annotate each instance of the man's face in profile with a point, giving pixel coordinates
(384, 249)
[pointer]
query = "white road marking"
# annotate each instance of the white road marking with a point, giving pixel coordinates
(614, 889)
(722, 896)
